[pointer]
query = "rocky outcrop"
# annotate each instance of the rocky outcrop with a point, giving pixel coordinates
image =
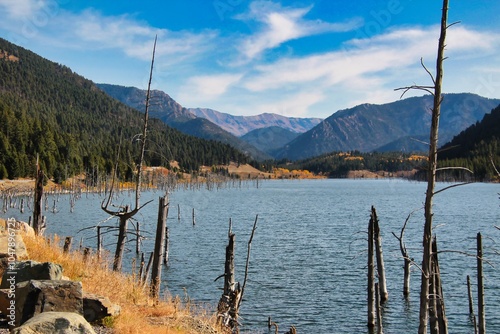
(31, 270)
(96, 307)
(12, 246)
(55, 322)
(36, 297)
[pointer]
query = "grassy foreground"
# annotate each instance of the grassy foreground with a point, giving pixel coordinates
(139, 313)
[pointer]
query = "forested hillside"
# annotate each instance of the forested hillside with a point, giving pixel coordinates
(476, 148)
(47, 110)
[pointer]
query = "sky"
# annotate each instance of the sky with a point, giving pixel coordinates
(304, 58)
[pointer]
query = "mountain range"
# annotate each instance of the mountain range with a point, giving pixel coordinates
(397, 126)
(207, 123)
(241, 125)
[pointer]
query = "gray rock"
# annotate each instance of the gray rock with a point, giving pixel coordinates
(31, 270)
(96, 307)
(18, 252)
(36, 297)
(55, 323)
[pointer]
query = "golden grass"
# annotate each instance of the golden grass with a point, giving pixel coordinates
(139, 313)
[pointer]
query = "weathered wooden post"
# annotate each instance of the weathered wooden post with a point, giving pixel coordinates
(480, 287)
(472, 315)
(158, 251)
(99, 242)
(148, 266)
(67, 244)
(141, 268)
(194, 218)
(138, 238)
(37, 211)
(371, 276)
(165, 254)
(384, 295)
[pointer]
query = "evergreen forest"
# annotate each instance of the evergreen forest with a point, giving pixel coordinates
(65, 120)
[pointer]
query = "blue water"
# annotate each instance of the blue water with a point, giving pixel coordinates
(308, 257)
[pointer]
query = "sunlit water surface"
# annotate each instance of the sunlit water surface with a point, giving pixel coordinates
(308, 257)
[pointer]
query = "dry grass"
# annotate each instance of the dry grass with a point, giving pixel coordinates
(139, 313)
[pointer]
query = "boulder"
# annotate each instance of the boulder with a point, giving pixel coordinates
(31, 270)
(36, 297)
(4, 301)
(12, 247)
(24, 228)
(96, 307)
(55, 322)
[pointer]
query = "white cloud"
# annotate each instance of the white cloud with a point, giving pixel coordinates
(21, 8)
(292, 105)
(135, 38)
(283, 24)
(208, 87)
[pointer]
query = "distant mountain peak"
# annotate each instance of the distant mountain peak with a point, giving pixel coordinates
(241, 125)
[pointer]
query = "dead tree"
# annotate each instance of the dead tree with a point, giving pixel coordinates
(124, 214)
(158, 251)
(436, 91)
(384, 295)
(38, 225)
(480, 287)
(230, 301)
(439, 323)
(371, 276)
(407, 260)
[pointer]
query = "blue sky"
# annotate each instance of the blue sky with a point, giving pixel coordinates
(305, 58)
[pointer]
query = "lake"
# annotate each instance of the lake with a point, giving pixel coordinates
(308, 258)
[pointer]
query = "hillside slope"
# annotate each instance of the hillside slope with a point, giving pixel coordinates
(74, 127)
(368, 127)
(173, 114)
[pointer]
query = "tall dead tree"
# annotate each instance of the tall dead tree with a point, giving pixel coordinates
(371, 276)
(384, 294)
(124, 214)
(480, 287)
(158, 251)
(436, 91)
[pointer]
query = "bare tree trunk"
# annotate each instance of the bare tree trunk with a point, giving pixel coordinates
(384, 295)
(158, 252)
(37, 211)
(472, 315)
(440, 309)
(380, 327)
(480, 286)
(371, 276)
(122, 238)
(433, 316)
(99, 242)
(431, 177)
